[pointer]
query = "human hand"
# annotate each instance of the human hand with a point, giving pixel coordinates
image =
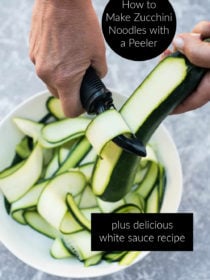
(198, 52)
(65, 40)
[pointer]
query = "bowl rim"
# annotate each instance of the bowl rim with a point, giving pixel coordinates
(96, 271)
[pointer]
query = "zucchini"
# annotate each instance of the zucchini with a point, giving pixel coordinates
(66, 130)
(135, 198)
(34, 220)
(171, 81)
(152, 202)
(30, 199)
(75, 211)
(88, 199)
(98, 131)
(87, 212)
(69, 224)
(19, 217)
(55, 108)
(21, 180)
(114, 256)
(107, 207)
(58, 250)
(94, 260)
(52, 166)
(128, 208)
(69, 165)
(64, 150)
(76, 154)
(79, 244)
(52, 205)
(87, 170)
(129, 257)
(29, 128)
(23, 149)
(147, 185)
(161, 185)
(11, 169)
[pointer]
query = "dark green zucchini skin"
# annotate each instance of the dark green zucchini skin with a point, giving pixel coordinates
(122, 177)
(193, 78)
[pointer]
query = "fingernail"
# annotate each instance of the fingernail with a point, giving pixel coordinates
(195, 35)
(178, 42)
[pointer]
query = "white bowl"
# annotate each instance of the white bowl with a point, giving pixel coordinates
(32, 247)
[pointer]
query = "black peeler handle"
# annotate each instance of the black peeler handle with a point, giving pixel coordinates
(94, 95)
(95, 99)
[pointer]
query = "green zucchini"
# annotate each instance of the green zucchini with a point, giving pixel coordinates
(16, 184)
(171, 81)
(66, 130)
(54, 107)
(129, 257)
(147, 185)
(98, 131)
(58, 250)
(52, 205)
(23, 148)
(19, 217)
(79, 243)
(69, 224)
(38, 223)
(77, 152)
(152, 202)
(30, 199)
(94, 260)
(75, 211)
(88, 199)
(114, 256)
(128, 208)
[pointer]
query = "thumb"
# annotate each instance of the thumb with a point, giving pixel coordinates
(196, 50)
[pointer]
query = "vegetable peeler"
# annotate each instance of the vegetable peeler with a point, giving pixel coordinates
(96, 99)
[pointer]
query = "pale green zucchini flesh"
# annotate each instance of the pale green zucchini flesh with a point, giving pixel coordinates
(99, 133)
(58, 250)
(52, 203)
(23, 177)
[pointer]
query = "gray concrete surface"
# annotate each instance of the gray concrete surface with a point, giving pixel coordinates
(190, 131)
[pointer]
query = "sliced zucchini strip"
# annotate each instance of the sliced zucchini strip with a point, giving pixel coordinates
(79, 244)
(104, 128)
(55, 108)
(65, 130)
(18, 183)
(59, 251)
(37, 222)
(52, 202)
(75, 211)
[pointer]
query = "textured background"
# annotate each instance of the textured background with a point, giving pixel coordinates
(190, 132)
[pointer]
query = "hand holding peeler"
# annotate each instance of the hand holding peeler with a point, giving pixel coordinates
(96, 99)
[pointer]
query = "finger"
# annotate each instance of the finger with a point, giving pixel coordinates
(98, 60)
(198, 98)
(197, 51)
(71, 104)
(203, 28)
(100, 66)
(165, 54)
(69, 94)
(53, 91)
